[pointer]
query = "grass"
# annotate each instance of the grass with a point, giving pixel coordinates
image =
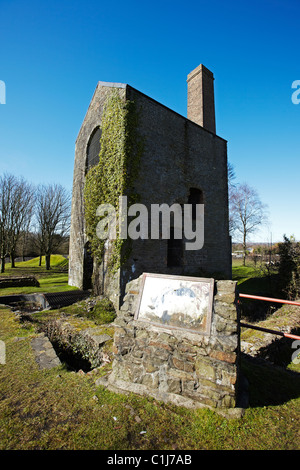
(56, 261)
(253, 279)
(55, 280)
(58, 409)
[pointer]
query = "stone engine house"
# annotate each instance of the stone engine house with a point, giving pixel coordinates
(184, 162)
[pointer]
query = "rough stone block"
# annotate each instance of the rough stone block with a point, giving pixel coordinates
(205, 369)
(223, 356)
(159, 345)
(226, 287)
(174, 385)
(182, 364)
(150, 380)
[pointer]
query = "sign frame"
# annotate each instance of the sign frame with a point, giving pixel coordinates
(209, 281)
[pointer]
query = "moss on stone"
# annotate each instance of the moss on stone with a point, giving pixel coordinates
(103, 312)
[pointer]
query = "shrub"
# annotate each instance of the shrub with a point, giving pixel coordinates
(289, 268)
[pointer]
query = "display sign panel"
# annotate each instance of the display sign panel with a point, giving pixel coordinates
(176, 302)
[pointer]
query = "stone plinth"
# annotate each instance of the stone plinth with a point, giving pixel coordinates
(177, 365)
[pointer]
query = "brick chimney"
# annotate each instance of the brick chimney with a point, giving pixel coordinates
(201, 102)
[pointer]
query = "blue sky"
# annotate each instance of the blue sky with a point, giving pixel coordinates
(54, 53)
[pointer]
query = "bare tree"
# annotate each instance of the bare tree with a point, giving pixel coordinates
(16, 205)
(247, 212)
(230, 175)
(231, 188)
(21, 214)
(6, 189)
(53, 218)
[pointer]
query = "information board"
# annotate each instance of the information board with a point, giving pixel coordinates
(176, 302)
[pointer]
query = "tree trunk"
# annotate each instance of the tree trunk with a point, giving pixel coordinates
(40, 262)
(12, 260)
(244, 249)
(3, 264)
(23, 249)
(47, 259)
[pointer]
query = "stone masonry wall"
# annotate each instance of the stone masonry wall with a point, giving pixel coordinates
(177, 155)
(178, 366)
(78, 237)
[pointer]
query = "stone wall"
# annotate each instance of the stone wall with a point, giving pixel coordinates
(201, 106)
(18, 281)
(80, 339)
(78, 238)
(178, 366)
(178, 155)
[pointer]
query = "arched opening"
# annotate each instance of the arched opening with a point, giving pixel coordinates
(93, 149)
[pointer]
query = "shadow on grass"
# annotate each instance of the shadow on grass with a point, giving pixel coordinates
(263, 286)
(269, 385)
(254, 310)
(280, 350)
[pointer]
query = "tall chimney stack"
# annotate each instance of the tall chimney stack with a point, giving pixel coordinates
(201, 102)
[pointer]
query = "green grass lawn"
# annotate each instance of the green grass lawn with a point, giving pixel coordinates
(54, 280)
(253, 279)
(58, 409)
(56, 261)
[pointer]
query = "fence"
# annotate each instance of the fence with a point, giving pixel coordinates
(269, 299)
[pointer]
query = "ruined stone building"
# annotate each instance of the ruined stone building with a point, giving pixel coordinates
(183, 161)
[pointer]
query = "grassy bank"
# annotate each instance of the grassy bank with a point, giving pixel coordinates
(54, 280)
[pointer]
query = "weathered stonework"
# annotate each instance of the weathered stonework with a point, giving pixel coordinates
(178, 366)
(18, 281)
(45, 355)
(201, 105)
(179, 154)
(80, 338)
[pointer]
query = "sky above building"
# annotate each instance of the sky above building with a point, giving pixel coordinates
(54, 53)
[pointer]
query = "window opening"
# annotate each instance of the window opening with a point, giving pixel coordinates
(93, 149)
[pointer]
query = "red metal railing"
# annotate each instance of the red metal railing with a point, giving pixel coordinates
(269, 299)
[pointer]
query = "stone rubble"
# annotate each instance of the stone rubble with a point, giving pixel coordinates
(45, 354)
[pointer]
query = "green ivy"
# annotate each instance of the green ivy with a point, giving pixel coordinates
(120, 151)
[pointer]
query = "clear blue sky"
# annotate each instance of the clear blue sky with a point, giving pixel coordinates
(54, 53)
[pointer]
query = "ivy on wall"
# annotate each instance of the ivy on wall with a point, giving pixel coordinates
(120, 151)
